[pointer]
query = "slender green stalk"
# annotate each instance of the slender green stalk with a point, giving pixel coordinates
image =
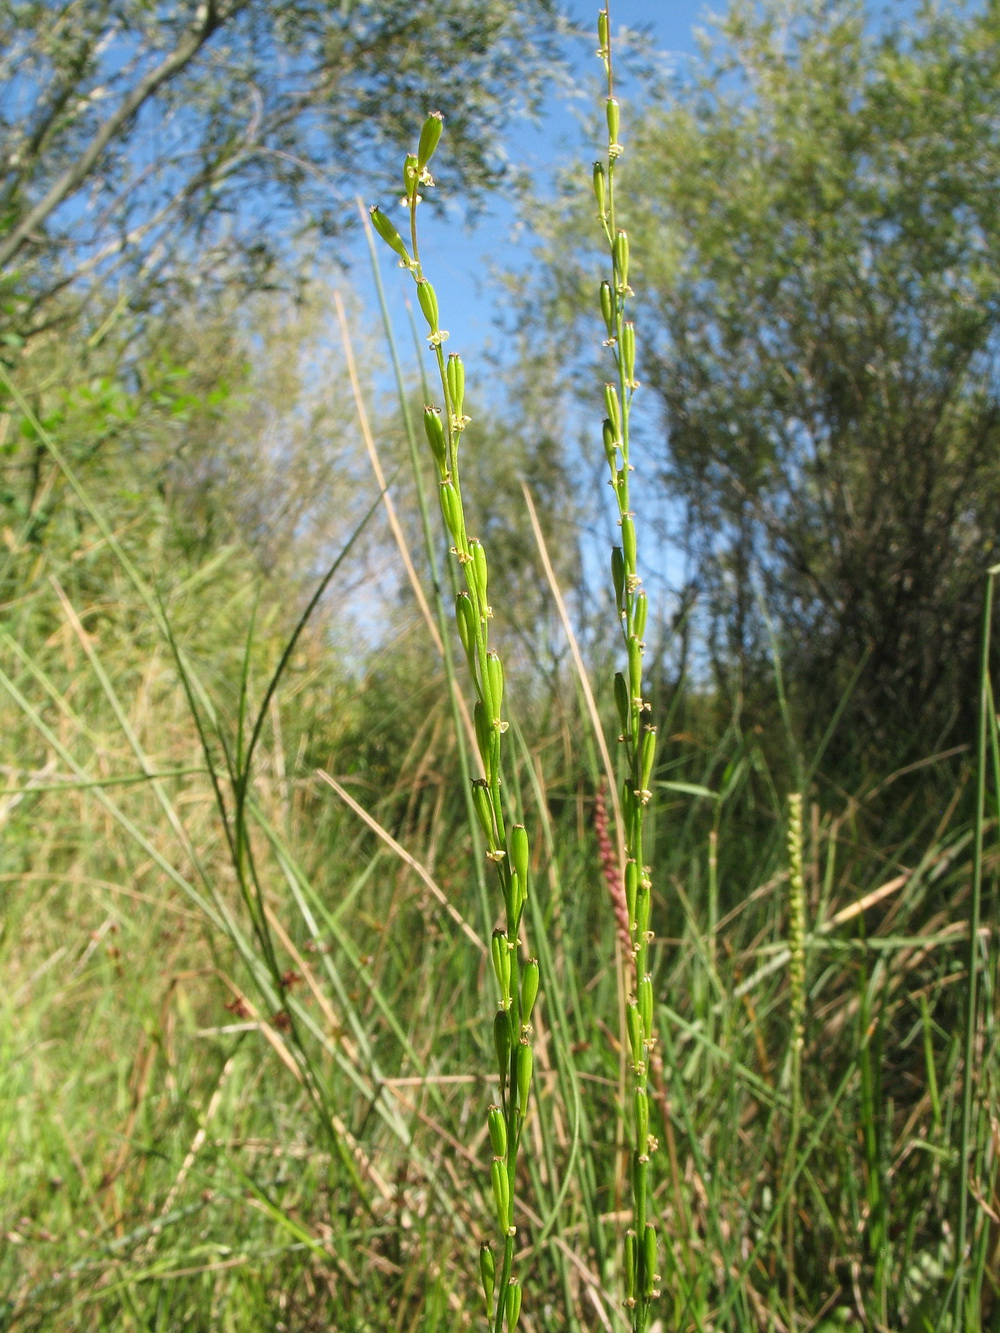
(507, 847)
(638, 736)
(797, 988)
(969, 1078)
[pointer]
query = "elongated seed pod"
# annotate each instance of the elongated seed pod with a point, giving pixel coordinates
(631, 1264)
(467, 621)
(614, 116)
(529, 989)
(494, 669)
(434, 430)
(622, 701)
(388, 232)
(456, 383)
(618, 577)
(451, 510)
(600, 189)
(649, 1261)
(427, 297)
(643, 904)
(483, 731)
(602, 31)
(635, 667)
(501, 1043)
(411, 176)
(628, 353)
(612, 409)
(481, 571)
(610, 443)
(621, 256)
(512, 1308)
(646, 1004)
(484, 808)
(524, 1064)
(641, 1118)
(647, 757)
(640, 611)
(628, 543)
(429, 137)
(634, 1024)
(487, 1275)
(498, 1131)
(501, 963)
(519, 851)
(608, 308)
(501, 1192)
(631, 887)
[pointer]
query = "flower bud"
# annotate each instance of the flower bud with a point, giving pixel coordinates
(614, 117)
(523, 1072)
(600, 189)
(498, 1131)
(529, 989)
(487, 1274)
(429, 137)
(434, 430)
(608, 308)
(428, 303)
(388, 233)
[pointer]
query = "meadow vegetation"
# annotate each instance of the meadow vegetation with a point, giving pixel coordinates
(247, 1045)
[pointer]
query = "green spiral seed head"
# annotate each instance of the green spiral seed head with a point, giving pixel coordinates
(430, 136)
(498, 1131)
(529, 989)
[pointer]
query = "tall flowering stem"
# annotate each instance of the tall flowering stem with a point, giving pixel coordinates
(507, 844)
(638, 736)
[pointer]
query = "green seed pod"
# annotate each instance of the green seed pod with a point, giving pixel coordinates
(608, 308)
(483, 732)
(465, 618)
(501, 1193)
(484, 810)
(618, 577)
(631, 1264)
(529, 989)
(519, 851)
(647, 757)
(494, 669)
(622, 701)
(488, 1274)
(613, 410)
(451, 509)
(501, 1041)
(628, 353)
(646, 1004)
(614, 117)
(641, 1119)
(630, 811)
(621, 256)
(628, 542)
(388, 233)
(634, 1024)
(648, 1261)
(631, 888)
(434, 430)
(525, 1060)
(455, 373)
(427, 297)
(640, 610)
(498, 1131)
(501, 963)
(610, 443)
(635, 667)
(600, 189)
(643, 906)
(512, 892)
(640, 1181)
(602, 29)
(411, 176)
(481, 572)
(512, 1306)
(429, 137)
